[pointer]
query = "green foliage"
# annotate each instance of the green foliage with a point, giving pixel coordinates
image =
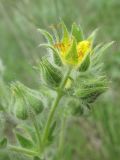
(3, 143)
(96, 135)
(37, 158)
(24, 142)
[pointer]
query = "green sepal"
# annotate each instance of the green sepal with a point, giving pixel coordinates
(56, 56)
(85, 63)
(77, 32)
(47, 35)
(18, 89)
(51, 74)
(20, 109)
(98, 52)
(65, 33)
(24, 142)
(36, 104)
(104, 47)
(56, 35)
(3, 143)
(72, 56)
(92, 37)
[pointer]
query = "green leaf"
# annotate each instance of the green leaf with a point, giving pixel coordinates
(72, 56)
(3, 143)
(65, 33)
(47, 35)
(24, 142)
(28, 131)
(77, 32)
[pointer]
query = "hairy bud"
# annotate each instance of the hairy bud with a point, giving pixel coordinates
(51, 75)
(21, 109)
(36, 104)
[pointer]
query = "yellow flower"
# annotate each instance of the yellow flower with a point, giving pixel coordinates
(82, 48)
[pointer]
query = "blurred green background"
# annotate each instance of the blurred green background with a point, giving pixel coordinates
(95, 136)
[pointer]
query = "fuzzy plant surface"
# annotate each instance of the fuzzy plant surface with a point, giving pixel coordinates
(71, 79)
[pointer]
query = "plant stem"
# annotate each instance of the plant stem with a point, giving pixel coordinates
(61, 138)
(22, 150)
(54, 106)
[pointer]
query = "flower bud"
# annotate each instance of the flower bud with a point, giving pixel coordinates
(68, 83)
(36, 104)
(89, 90)
(51, 75)
(21, 109)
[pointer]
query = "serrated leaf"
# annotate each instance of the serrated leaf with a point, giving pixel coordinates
(24, 142)
(77, 32)
(3, 143)
(47, 35)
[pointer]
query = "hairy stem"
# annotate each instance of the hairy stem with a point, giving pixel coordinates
(61, 138)
(54, 106)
